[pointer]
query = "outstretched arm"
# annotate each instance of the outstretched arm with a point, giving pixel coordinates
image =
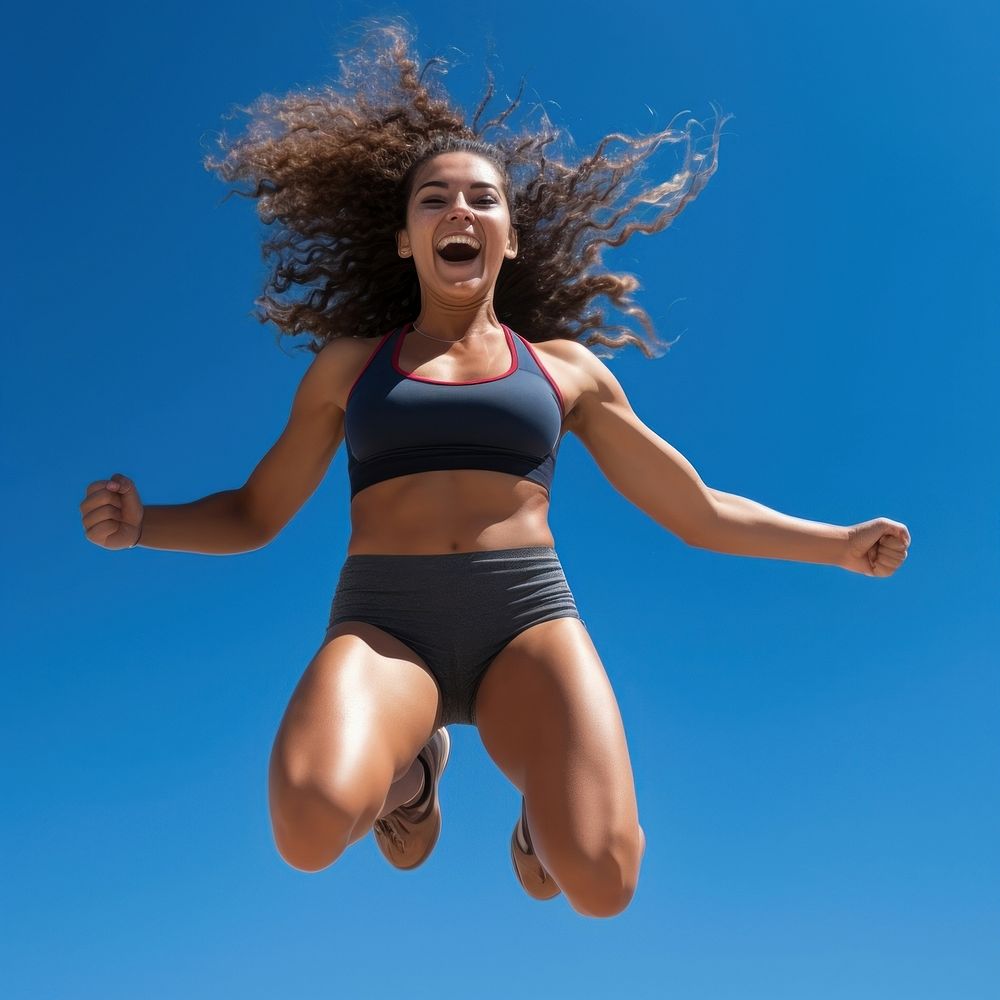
(639, 464)
(747, 528)
(872, 548)
(660, 481)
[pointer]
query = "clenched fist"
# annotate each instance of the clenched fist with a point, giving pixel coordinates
(112, 512)
(876, 548)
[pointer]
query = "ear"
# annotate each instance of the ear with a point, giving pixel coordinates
(403, 247)
(511, 251)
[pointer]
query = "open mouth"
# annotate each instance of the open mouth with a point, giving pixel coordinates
(455, 249)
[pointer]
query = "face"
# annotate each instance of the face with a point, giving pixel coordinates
(457, 226)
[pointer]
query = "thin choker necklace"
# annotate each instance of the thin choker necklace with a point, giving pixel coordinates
(440, 340)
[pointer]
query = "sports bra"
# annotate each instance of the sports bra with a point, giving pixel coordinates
(397, 423)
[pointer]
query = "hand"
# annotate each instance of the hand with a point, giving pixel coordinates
(112, 512)
(876, 548)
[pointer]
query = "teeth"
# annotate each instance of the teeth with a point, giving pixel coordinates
(457, 238)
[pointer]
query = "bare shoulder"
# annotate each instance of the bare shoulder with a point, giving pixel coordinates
(589, 369)
(581, 374)
(339, 363)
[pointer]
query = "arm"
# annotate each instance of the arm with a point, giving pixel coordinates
(250, 517)
(638, 463)
(747, 528)
(214, 525)
(660, 481)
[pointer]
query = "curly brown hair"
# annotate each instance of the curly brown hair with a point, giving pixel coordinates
(334, 167)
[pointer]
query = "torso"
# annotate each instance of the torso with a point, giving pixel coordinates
(460, 510)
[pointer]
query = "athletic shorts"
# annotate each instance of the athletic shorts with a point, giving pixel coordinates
(456, 610)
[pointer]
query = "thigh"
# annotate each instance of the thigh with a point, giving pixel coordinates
(359, 715)
(548, 717)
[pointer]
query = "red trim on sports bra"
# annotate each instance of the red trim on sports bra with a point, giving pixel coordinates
(544, 371)
(419, 378)
(371, 358)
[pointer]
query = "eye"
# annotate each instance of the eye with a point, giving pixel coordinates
(486, 199)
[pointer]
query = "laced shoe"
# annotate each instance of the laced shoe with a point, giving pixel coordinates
(534, 879)
(407, 835)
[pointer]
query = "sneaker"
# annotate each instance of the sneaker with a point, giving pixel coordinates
(407, 835)
(534, 879)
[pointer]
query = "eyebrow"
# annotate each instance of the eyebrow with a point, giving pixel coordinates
(444, 184)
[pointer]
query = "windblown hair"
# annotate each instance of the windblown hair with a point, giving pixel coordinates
(334, 166)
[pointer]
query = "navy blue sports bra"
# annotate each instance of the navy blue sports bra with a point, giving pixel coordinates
(397, 423)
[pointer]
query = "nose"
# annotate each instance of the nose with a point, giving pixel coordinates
(459, 209)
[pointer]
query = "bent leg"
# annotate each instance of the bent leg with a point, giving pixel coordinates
(548, 717)
(355, 723)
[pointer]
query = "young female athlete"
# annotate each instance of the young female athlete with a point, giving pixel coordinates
(450, 283)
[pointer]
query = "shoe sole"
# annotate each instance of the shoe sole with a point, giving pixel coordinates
(439, 770)
(435, 777)
(433, 803)
(513, 860)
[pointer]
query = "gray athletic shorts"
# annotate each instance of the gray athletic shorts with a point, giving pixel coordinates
(456, 610)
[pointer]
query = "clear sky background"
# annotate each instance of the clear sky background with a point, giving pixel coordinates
(815, 752)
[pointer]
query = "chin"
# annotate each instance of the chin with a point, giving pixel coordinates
(473, 281)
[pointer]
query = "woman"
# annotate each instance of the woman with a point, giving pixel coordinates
(450, 283)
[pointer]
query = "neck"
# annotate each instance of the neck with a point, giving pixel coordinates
(464, 322)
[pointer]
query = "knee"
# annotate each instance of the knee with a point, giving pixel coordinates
(311, 829)
(313, 822)
(605, 893)
(608, 901)
(603, 885)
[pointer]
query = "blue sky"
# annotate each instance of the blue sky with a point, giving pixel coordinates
(815, 752)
